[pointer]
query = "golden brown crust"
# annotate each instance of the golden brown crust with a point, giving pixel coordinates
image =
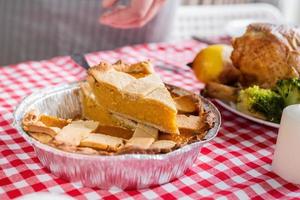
(54, 121)
(186, 103)
(111, 140)
(102, 142)
(32, 122)
(188, 136)
(189, 123)
(138, 70)
(43, 138)
(144, 99)
(115, 131)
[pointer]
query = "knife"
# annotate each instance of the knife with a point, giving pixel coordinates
(80, 60)
(204, 40)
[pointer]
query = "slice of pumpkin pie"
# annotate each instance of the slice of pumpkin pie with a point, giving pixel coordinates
(143, 98)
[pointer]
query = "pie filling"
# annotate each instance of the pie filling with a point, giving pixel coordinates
(125, 109)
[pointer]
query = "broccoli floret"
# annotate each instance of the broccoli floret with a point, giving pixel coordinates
(262, 103)
(289, 89)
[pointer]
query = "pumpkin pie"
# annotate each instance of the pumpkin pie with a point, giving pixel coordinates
(125, 109)
(144, 99)
(93, 111)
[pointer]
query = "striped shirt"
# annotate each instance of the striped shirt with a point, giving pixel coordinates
(40, 29)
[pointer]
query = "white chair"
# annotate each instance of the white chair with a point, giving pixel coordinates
(213, 20)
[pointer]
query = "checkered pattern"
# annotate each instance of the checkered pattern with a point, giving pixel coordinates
(235, 165)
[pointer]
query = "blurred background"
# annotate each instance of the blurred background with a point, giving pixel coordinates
(41, 29)
(229, 17)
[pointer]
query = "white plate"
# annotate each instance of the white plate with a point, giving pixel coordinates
(234, 110)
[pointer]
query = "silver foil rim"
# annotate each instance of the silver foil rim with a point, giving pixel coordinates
(126, 171)
(42, 94)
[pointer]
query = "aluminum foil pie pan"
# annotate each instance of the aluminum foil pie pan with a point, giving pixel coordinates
(127, 171)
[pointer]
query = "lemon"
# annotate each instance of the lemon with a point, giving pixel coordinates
(211, 61)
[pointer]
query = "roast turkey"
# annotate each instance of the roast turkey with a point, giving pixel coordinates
(267, 53)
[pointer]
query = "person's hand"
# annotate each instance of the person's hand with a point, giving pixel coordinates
(137, 14)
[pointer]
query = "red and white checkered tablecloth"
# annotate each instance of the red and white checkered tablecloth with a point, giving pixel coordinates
(235, 165)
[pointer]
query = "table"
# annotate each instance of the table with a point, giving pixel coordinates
(235, 165)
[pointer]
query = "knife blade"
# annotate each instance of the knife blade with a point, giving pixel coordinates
(172, 69)
(204, 40)
(80, 60)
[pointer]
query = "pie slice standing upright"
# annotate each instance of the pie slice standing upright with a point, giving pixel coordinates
(134, 92)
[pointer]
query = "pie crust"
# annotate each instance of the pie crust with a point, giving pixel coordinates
(102, 130)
